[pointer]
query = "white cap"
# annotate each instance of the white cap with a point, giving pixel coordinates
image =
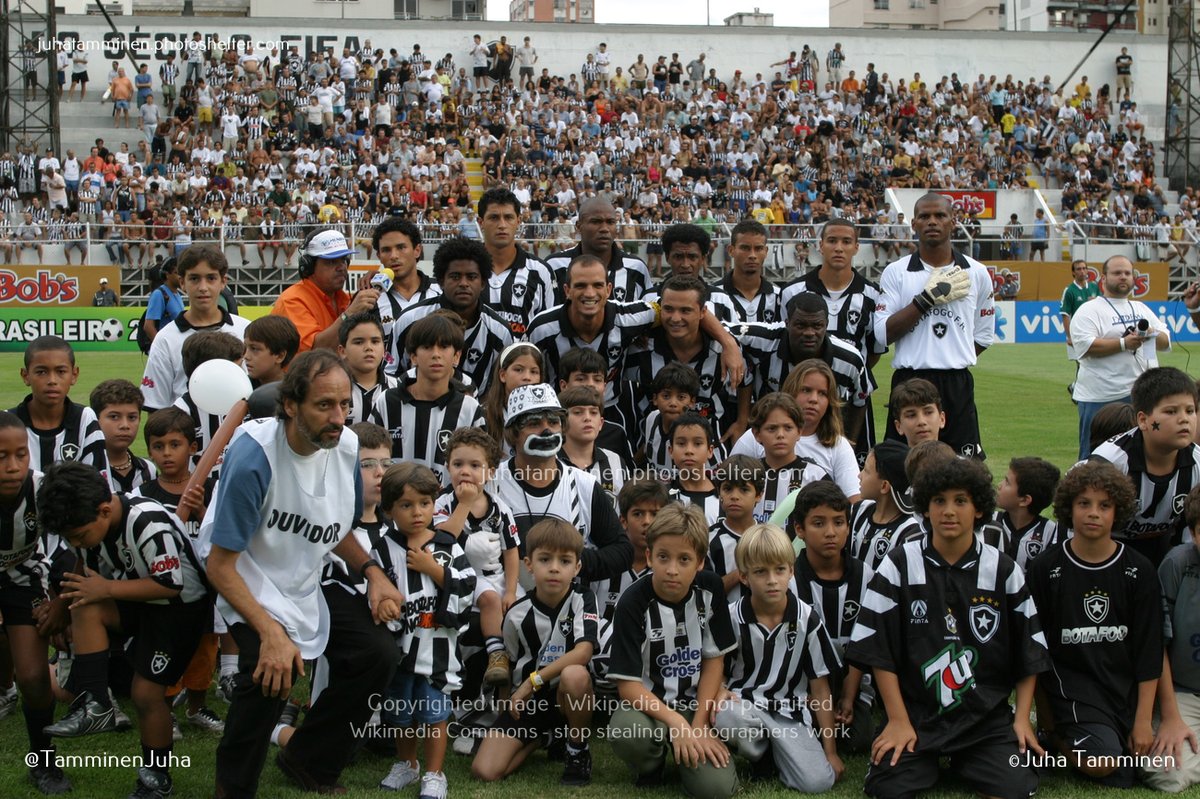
(529, 398)
(328, 244)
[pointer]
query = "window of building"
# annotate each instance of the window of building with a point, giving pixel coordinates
(405, 9)
(916, 3)
(465, 9)
(881, 5)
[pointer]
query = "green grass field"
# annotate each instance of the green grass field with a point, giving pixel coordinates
(1024, 410)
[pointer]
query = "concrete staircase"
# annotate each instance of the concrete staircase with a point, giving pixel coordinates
(474, 168)
(81, 123)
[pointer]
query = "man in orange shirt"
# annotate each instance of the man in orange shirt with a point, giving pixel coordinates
(121, 92)
(850, 85)
(318, 304)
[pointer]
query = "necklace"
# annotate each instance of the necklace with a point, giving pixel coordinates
(124, 466)
(165, 481)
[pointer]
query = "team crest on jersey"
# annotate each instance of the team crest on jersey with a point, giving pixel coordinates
(706, 382)
(159, 663)
(968, 450)
(1033, 549)
(791, 638)
(619, 293)
(985, 620)
(1177, 505)
(70, 452)
(442, 557)
(850, 610)
(30, 521)
(518, 290)
(566, 625)
(768, 316)
(443, 439)
(1095, 605)
(852, 317)
(614, 354)
(881, 547)
(939, 329)
(473, 356)
(919, 611)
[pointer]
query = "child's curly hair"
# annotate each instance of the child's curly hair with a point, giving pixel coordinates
(964, 474)
(1100, 475)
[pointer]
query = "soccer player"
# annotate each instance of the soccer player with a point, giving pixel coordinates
(883, 519)
(596, 223)
(118, 407)
(519, 286)
(781, 666)
(398, 242)
(1026, 490)
(550, 635)
(743, 294)
(948, 630)
(360, 346)
(271, 344)
(668, 664)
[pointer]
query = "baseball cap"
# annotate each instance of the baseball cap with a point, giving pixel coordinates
(328, 244)
(103, 280)
(529, 399)
(889, 462)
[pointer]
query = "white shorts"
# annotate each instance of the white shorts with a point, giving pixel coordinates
(485, 583)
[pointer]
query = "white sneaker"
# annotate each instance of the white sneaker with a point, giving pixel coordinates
(8, 701)
(400, 777)
(463, 745)
(433, 786)
(206, 719)
(176, 733)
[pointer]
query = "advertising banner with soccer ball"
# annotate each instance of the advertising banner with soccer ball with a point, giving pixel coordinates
(86, 329)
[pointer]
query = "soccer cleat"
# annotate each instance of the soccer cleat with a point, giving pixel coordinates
(8, 701)
(86, 717)
(123, 722)
(433, 786)
(206, 719)
(225, 687)
(464, 745)
(400, 777)
(578, 769)
(152, 784)
(497, 669)
(176, 733)
(49, 780)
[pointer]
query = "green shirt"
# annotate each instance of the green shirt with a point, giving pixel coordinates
(1074, 296)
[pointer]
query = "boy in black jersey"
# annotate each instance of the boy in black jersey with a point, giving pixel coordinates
(739, 482)
(1159, 456)
(1100, 606)
(550, 635)
(883, 519)
(948, 630)
(581, 428)
(118, 407)
(670, 636)
(778, 675)
(580, 366)
(271, 344)
(834, 584)
(1026, 490)
(137, 574)
(691, 441)
(673, 392)
(361, 347)
(25, 600)
(777, 421)
(59, 429)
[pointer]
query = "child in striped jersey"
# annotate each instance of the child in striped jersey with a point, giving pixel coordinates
(198, 348)
(833, 583)
(118, 407)
(672, 393)
(485, 529)
(883, 519)
(360, 346)
(777, 420)
(690, 442)
(740, 481)
(581, 427)
(779, 670)
(550, 635)
(271, 344)
(1027, 489)
(438, 585)
(671, 633)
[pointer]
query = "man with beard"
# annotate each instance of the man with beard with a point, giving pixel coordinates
(319, 303)
(459, 267)
(938, 311)
(597, 227)
(293, 491)
(519, 286)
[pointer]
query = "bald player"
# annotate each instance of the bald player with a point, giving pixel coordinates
(596, 225)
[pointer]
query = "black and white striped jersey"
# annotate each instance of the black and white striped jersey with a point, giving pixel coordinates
(838, 601)
(521, 292)
(78, 438)
(958, 638)
(715, 402)
(431, 618)
(1104, 624)
(783, 481)
(707, 501)
(536, 635)
(662, 644)
(154, 490)
(1157, 524)
(1026, 543)
(731, 307)
(575, 497)
(498, 520)
(421, 429)
(484, 341)
(771, 668)
(628, 274)
(206, 424)
(851, 310)
(606, 466)
(722, 544)
(149, 542)
(766, 348)
(141, 471)
(362, 400)
(870, 542)
(609, 591)
(657, 452)
(368, 535)
(23, 560)
(391, 304)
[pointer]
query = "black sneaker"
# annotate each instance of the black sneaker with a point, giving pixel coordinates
(651, 779)
(86, 717)
(49, 780)
(578, 769)
(152, 784)
(764, 768)
(556, 748)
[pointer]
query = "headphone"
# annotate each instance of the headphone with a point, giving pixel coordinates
(308, 264)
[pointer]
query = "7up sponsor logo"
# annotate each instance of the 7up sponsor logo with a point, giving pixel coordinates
(948, 674)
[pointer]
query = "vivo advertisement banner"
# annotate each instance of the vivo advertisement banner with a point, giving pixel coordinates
(1040, 322)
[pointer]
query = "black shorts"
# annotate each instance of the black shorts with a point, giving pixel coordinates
(1037, 246)
(534, 725)
(957, 388)
(17, 603)
(163, 637)
(981, 759)
(1098, 741)
(481, 72)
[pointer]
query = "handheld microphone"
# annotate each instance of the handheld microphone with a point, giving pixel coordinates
(383, 279)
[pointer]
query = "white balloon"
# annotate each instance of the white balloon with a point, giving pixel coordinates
(216, 385)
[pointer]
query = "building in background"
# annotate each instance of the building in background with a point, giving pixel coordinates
(968, 15)
(1087, 16)
(552, 11)
(750, 19)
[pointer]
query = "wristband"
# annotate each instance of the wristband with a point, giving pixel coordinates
(923, 303)
(1123, 347)
(536, 681)
(362, 573)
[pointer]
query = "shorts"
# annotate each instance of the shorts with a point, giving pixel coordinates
(17, 603)
(654, 248)
(540, 718)
(79, 77)
(957, 389)
(203, 114)
(490, 582)
(526, 72)
(411, 699)
(62, 77)
(480, 72)
(123, 105)
(1097, 740)
(1037, 246)
(163, 637)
